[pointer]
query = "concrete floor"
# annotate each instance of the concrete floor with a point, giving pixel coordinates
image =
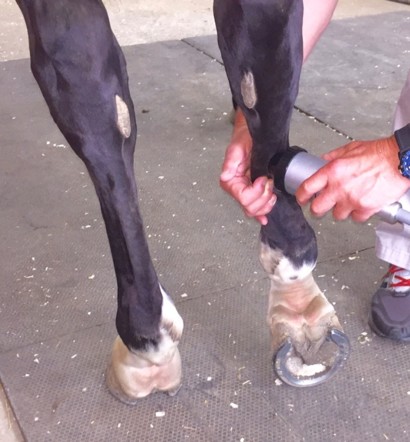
(143, 22)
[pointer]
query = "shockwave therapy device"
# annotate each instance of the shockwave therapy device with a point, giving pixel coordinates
(295, 165)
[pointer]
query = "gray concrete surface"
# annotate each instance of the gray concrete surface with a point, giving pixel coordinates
(141, 22)
(144, 21)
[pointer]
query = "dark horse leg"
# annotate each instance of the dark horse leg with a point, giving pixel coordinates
(81, 72)
(261, 46)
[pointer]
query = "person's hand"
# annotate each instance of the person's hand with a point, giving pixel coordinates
(360, 179)
(257, 198)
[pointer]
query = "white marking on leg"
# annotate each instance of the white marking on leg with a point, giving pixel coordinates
(171, 327)
(123, 117)
(248, 90)
(280, 269)
(171, 319)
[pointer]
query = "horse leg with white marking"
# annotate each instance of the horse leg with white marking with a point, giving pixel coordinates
(261, 46)
(81, 72)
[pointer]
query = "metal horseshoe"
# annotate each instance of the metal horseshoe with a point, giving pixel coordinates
(286, 350)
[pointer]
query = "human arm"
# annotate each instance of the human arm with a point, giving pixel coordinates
(360, 178)
(316, 17)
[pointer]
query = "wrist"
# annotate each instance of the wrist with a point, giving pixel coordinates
(240, 120)
(402, 139)
(241, 132)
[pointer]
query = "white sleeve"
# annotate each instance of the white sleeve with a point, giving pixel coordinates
(402, 114)
(316, 16)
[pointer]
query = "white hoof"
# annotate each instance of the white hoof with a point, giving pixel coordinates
(134, 374)
(130, 376)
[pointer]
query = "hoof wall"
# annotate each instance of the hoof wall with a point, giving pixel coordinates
(130, 376)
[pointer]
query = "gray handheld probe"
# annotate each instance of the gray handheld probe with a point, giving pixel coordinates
(290, 168)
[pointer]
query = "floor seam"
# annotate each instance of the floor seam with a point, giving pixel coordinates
(298, 109)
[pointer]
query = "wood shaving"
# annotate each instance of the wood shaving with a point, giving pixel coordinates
(296, 366)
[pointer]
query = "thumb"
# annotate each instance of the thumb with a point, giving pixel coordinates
(311, 186)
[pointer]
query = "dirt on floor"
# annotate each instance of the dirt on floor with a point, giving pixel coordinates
(143, 21)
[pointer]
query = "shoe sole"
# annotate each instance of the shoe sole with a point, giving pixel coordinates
(374, 328)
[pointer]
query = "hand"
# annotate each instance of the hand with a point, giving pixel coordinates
(360, 179)
(257, 198)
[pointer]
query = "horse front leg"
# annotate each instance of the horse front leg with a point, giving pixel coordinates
(261, 45)
(81, 72)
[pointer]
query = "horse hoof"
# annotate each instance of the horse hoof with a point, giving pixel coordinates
(114, 387)
(130, 376)
(292, 371)
(173, 392)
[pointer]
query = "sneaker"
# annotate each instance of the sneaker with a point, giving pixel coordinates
(390, 307)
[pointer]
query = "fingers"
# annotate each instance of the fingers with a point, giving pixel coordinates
(256, 199)
(340, 210)
(262, 220)
(361, 216)
(323, 199)
(256, 194)
(323, 204)
(261, 206)
(312, 186)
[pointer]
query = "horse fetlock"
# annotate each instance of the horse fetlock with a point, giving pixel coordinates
(281, 268)
(171, 327)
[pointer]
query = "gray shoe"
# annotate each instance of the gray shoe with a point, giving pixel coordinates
(390, 307)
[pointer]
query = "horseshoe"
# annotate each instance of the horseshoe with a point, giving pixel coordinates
(286, 350)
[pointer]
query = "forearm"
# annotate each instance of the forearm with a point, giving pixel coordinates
(317, 15)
